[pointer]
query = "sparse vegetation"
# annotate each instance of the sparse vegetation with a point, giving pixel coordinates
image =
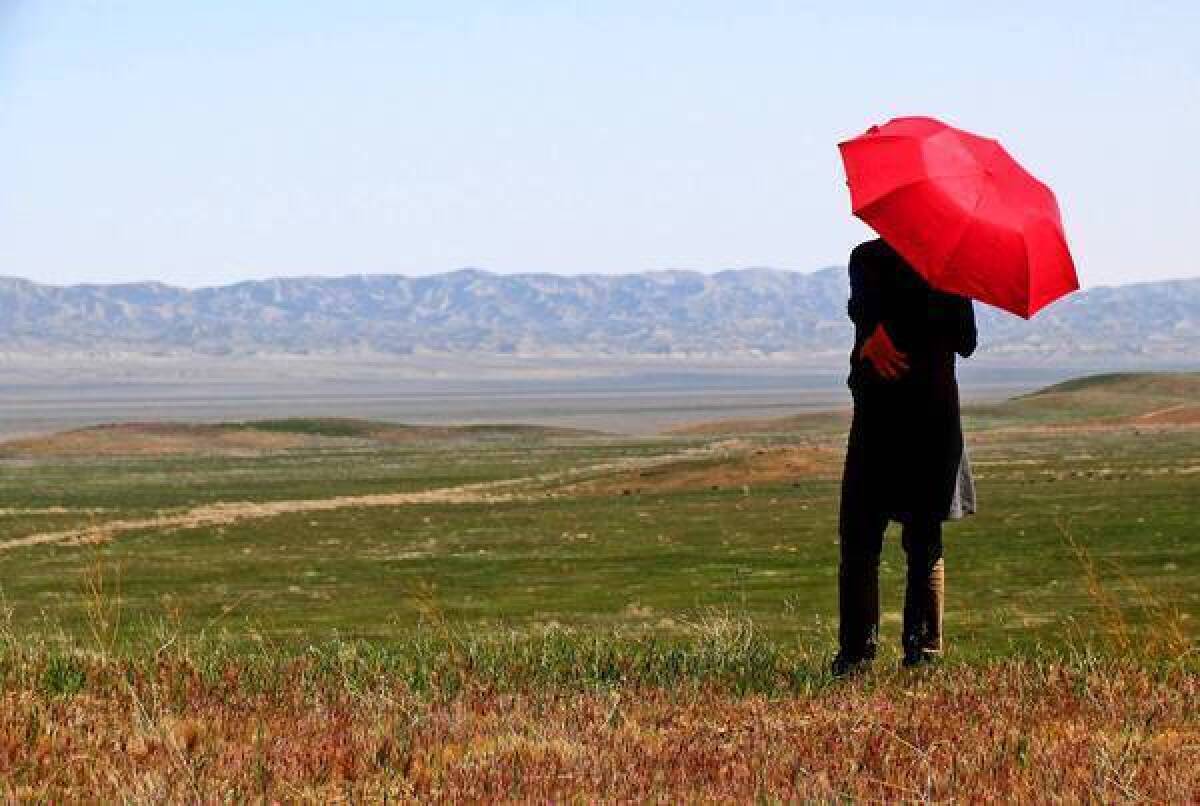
(723, 714)
(622, 619)
(258, 437)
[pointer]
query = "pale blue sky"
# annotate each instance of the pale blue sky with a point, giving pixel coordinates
(209, 141)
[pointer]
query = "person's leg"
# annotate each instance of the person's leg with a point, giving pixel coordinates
(862, 521)
(861, 541)
(924, 592)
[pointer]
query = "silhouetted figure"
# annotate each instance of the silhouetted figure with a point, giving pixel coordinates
(904, 460)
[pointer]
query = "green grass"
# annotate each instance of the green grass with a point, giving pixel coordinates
(646, 563)
(321, 426)
(650, 563)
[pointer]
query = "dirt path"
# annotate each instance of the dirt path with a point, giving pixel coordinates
(1182, 414)
(221, 514)
(225, 513)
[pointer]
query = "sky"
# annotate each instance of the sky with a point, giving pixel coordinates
(211, 141)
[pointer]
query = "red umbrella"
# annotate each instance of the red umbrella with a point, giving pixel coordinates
(962, 211)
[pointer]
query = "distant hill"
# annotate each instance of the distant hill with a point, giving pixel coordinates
(1105, 400)
(750, 312)
(264, 436)
(1145, 398)
(1133, 385)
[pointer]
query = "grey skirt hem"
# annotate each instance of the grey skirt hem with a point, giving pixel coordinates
(963, 503)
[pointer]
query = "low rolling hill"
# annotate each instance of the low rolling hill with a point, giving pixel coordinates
(1115, 399)
(262, 436)
(1127, 398)
(1111, 399)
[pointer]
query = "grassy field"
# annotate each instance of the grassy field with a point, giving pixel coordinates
(445, 565)
(358, 533)
(727, 716)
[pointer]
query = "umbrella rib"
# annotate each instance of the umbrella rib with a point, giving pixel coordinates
(906, 185)
(1028, 277)
(962, 236)
(860, 210)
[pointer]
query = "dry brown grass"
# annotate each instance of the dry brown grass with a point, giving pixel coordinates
(1013, 732)
(252, 438)
(1167, 634)
(155, 439)
(593, 718)
(1182, 414)
(736, 466)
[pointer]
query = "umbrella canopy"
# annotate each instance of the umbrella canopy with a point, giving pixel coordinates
(962, 211)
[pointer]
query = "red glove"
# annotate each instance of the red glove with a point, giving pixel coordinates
(883, 356)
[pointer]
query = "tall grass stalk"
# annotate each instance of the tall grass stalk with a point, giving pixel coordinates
(1163, 635)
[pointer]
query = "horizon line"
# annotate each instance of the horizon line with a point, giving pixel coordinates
(494, 273)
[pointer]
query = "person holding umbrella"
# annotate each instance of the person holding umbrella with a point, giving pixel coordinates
(905, 459)
(959, 220)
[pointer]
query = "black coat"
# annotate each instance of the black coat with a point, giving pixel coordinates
(906, 438)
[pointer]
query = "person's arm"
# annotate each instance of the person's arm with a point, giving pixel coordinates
(872, 343)
(866, 304)
(954, 320)
(968, 336)
(957, 323)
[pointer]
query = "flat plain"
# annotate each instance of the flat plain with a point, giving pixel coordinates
(298, 529)
(287, 537)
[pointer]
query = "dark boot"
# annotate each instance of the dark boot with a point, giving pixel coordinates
(923, 639)
(860, 532)
(846, 667)
(858, 605)
(924, 594)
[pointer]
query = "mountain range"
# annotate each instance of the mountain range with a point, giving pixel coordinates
(745, 312)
